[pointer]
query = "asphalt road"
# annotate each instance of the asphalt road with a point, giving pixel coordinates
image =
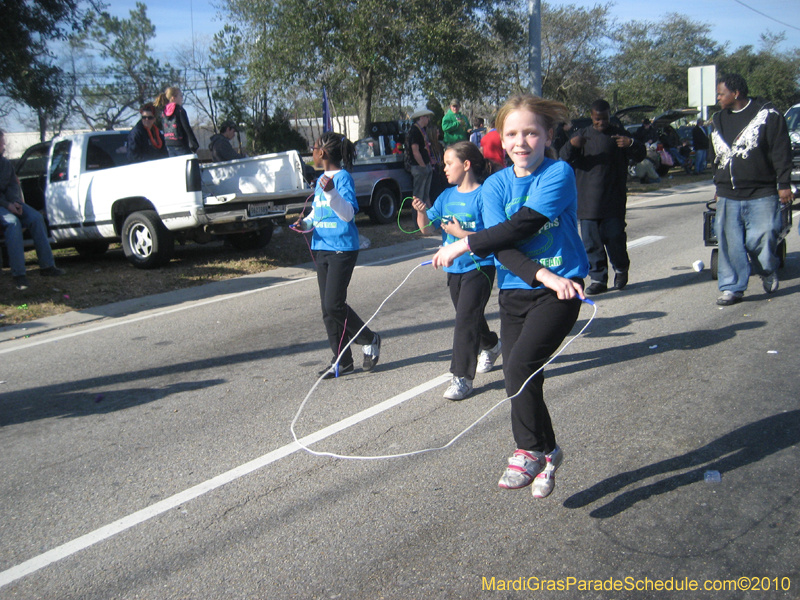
(146, 448)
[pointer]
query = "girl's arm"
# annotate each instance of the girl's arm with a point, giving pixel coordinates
(420, 207)
(343, 209)
(523, 224)
(531, 272)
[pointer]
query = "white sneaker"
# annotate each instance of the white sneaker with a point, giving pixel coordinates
(770, 282)
(486, 358)
(522, 469)
(545, 482)
(460, 388)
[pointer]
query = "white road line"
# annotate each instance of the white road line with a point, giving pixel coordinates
(140, 516)
(648, 239)
(161, 313)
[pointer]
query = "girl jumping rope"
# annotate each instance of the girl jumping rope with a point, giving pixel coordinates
(459, 212)
(530, 213)
(335, 250)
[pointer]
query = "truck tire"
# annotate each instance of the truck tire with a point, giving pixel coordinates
(146, 242)
(92, 249)
(252, 240)
(383, 207)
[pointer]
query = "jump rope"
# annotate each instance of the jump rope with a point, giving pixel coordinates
(335, 369)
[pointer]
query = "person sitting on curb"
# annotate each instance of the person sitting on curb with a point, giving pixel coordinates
(16, 215)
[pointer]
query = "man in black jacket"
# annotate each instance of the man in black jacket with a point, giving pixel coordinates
(700, 144)
(600, 154)
(752, 158)
(220, 143)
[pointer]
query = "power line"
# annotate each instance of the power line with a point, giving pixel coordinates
(766, 15)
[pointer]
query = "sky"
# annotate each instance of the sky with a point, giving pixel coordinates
(731, 21)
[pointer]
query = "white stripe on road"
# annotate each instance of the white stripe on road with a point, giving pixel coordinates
(644, 241)
(103, 533)
(120, 322)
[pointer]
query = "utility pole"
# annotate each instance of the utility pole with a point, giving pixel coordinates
(535, 45)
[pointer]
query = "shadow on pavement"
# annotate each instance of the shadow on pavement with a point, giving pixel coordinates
(741, 447)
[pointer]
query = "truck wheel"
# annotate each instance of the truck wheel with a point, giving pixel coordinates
(147, 243)
(92, 249)
(714, 263)
(252, 240)
(383, 208)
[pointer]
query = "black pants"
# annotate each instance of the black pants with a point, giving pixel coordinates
(334, 270)
(601, 236)
(470, 293)
(533, 325)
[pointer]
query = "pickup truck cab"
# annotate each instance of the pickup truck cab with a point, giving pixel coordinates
(90, 196)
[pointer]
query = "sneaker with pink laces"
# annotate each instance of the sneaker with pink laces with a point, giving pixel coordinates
(522, 469)
(545, 482)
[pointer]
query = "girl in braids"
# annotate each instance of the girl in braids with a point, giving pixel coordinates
(335, 249)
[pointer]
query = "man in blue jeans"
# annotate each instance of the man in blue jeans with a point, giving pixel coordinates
(752, 159)
(16, 215)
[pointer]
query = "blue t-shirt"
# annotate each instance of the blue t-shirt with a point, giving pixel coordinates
(331, 232)
(467, 209)
(551, 192)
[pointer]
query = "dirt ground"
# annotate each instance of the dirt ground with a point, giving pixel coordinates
(110, 278)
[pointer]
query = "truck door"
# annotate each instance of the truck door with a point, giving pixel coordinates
(63, 203)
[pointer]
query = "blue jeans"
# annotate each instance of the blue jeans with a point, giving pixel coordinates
(700, 160)
(12, 228)
(746, 228)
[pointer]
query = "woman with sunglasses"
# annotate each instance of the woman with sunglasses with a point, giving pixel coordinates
(145, 141)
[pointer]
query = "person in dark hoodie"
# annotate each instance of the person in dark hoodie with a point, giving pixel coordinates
(145, 141)
(599, 154)
(177, 130)
(220, 143)
(752, 157)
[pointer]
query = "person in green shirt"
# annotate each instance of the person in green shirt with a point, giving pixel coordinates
(455, 125)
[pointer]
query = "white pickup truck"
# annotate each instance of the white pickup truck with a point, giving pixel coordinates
(91, 196)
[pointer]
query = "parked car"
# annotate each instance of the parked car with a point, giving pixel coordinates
(793, 123)
(91, 196)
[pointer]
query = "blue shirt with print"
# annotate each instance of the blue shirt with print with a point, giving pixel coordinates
(331, 232)
(551, 192)
(467, 209)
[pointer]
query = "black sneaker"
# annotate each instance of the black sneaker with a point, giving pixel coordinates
(20, 282)
(329, 372)
(621, 280)
(52, 272)
(372, 353)
(596, 288)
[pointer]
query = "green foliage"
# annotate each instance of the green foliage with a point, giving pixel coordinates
(28, 74)
(131, 77)
(274, 134)
(362, 48)
(227, 56)
(653, 59)
(768, 74)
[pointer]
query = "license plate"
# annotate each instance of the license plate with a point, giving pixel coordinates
(259, 210)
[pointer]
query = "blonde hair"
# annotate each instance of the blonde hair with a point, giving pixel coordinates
(549, 112)
(167, 96)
